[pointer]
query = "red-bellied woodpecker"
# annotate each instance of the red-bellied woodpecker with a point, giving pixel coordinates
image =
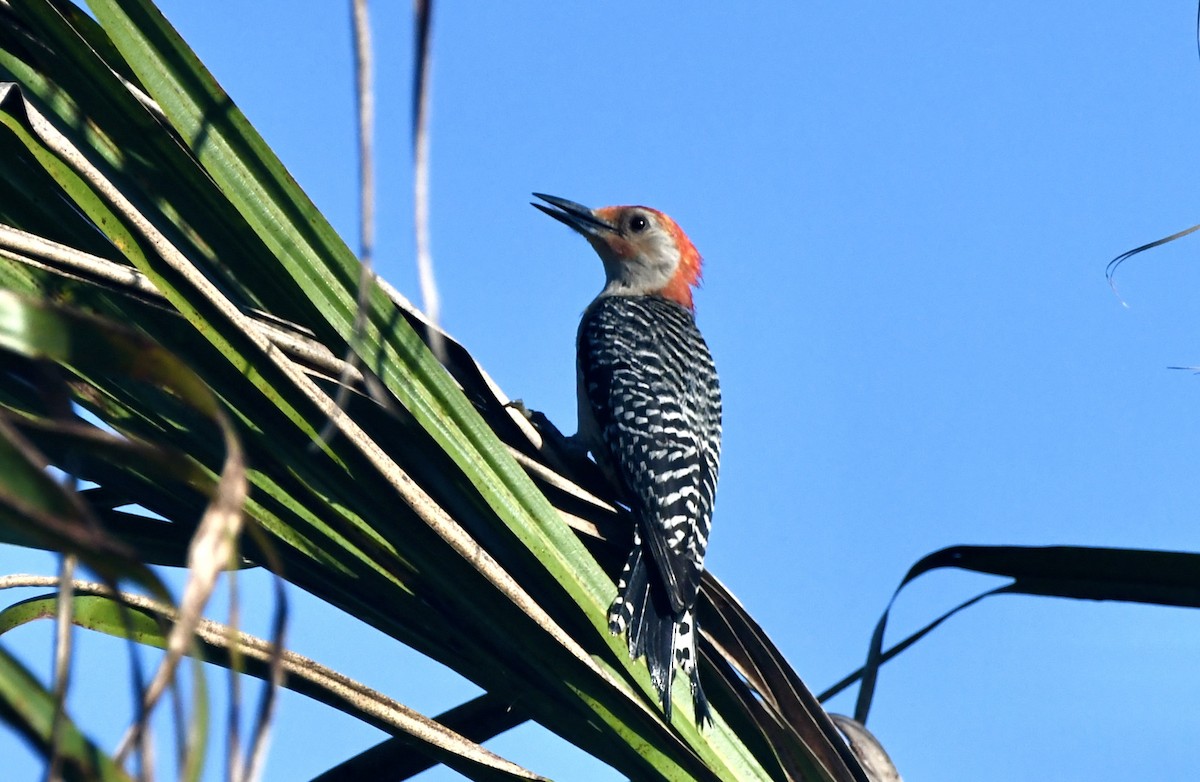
(650, 413)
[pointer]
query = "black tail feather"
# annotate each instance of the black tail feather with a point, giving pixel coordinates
(649, 623)
(703, 713)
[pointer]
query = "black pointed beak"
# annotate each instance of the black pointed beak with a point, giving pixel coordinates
(575, 215)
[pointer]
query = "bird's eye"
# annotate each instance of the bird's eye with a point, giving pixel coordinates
(637, 224)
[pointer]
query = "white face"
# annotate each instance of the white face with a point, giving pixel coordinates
(642, 257)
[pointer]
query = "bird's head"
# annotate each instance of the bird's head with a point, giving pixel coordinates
(644, 251)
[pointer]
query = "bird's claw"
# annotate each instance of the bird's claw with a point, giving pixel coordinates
(519, 406)
(569, 448)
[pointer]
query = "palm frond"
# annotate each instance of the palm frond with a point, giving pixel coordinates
(132, 187)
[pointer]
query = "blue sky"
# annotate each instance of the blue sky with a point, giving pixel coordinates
(905, 212)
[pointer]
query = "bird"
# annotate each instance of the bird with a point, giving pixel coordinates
(650, 415)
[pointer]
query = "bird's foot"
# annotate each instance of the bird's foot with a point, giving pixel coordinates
(566, 449)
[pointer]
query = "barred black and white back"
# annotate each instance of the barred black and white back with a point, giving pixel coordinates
(650, 412)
